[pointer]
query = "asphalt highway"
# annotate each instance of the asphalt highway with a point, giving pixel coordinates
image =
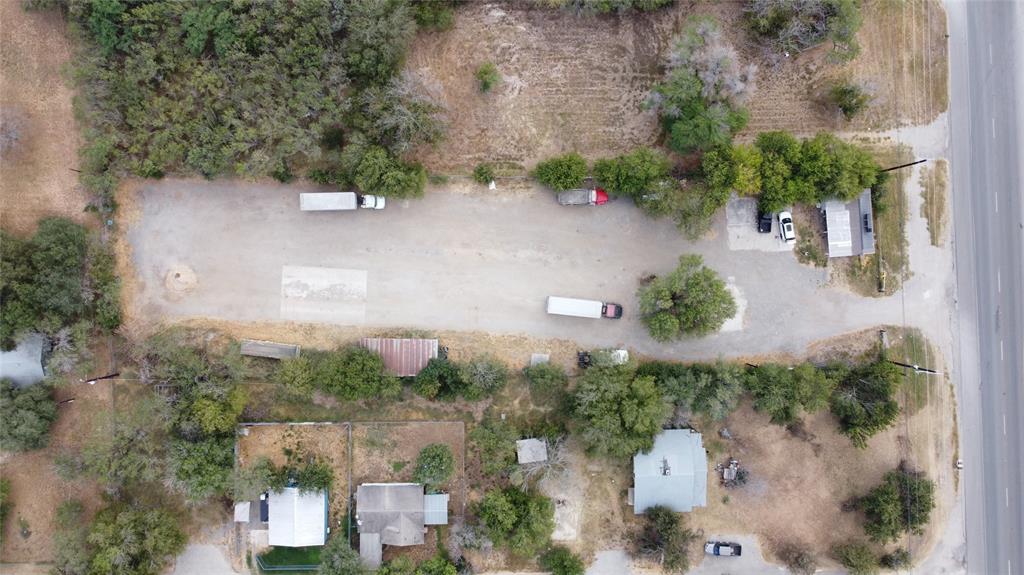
(986, 46)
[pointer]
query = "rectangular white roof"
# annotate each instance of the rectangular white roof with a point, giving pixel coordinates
(837, 223)
(297, 519)
(435, 509)
(674, 473)
(531, 450)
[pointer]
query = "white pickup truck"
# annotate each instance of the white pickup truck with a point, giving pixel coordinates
(335, 201)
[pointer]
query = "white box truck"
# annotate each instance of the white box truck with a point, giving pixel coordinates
(335, 201)
(583, 307)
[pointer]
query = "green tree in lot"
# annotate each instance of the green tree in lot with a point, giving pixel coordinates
(796, 26)
(901, 504)
(434, 466)
(618, 412)
(484, 376)
(133, 541)
(434, 14)
(494, 442)
(354, 373)
(783, 391)
(710, 389)
(864, 399)
(247, 483)
(27, 414)
(562, 172)
(297, 375)
(400, 114)
(850, 98)
(548, 382)
(664, 537)
(202, 469)
(378, 33)
(5, 500)
(858, 558)
(692, 300)
(128, 447)
(440, 379)
(522, 521)
(380, 173)
(561, 561)
(633, 174)
(339, 558)
(70, 550)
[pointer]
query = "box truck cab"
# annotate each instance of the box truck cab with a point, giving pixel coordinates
(337, 201)
(583, 307)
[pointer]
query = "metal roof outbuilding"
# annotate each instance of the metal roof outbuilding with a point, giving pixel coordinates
(402, 357)
(674, 473)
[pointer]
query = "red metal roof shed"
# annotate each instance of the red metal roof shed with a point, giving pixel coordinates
(402, 357)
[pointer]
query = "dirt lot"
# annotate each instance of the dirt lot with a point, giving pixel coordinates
(35, 175)
(578, 82)
(327, 441)
(36, 490)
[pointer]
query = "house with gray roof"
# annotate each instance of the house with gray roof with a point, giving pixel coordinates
(395, 514)
(674, 473)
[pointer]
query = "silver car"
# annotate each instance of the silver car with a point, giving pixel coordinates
(786, 230)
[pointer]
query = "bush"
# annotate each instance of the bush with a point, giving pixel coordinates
(405, 112)
(70, 550)
(561, 561)
(783, 391)
(27, 414)
(898, 559)
(849, 98)
(710, 389)
(337, 557)
(692, 300)
(562, 172)
(618, 412)
(488, 77)
(380, 173)
(864, 400)
(353, 373)
(297, 375)
(133, 541)
(440, 379)
(494, 441)
(434, 466)
(5, 500)
(313, 476)
(796, 26)
(664, 536)
(434, 14)
(483, 377)
(548, 382)
(247, 483)
(202, 469)
(799, 560)
(378, 33)
(483, 174)
(858, 558)
(522, 521)
(633, 174)
(901, 504)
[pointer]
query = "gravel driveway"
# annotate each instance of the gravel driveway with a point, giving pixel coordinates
(458, 261)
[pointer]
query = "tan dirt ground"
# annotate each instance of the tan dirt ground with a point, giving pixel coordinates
(35, 173)
(579, 82)
(36, 490)
(386, 452)
(933, 190)
(328, 441)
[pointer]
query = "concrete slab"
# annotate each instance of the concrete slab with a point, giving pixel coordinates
(23, 364)
(323, 295)
(202, 560)
(741, 228)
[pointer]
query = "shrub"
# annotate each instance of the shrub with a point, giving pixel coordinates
(353, 373)
(488, 77)
(202, 469)
(434, 14)
(248, 482)
(483, 377)
(898, 559)
(380, 173)
(633, 174)
(378, 33)
(483, 174)
(494, 441)
(618, 412)
(403, 113)
(440, 379)
(849, 98)
(523, 521)
(692, 300)
(799, 560)
(5, 500)
(548, 382)
(857, 558)
(434, 466)
(70, 550)
(562, 172)
(796, 26)
(561, 561)
(314, 475)
(901, 504)
(297, 375)
(783, 391)
(864, 400)
(339, 558)
(27, 414)
(710, 389)
(133, 541)
(664, 536)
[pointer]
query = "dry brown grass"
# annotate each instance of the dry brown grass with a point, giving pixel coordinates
(933, 191)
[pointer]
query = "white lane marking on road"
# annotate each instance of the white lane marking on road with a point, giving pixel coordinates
(997, 201)
(1007, 496)
(1000, 350)
(1004, 423)
(993, 127)
(990, 54)
(999, 281)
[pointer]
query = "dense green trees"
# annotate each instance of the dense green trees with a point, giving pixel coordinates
(901, 504)
(339, 558)
(561, 561)
(202, 468)
(665, 537)
(563, 172)
(784, 392)
(521, 520)
(494, 440)
(352, 373)
(27, 414)
(548, 383)
(473, 380)
(692, 300)
(794, 26)
(700, 100)
(864, 399)
(858, 558)
(633, 174)
(133, 541)
(434, 466)
(711, 389)
(54, 279)
(618, 412)
(70, 551)
(850, 98)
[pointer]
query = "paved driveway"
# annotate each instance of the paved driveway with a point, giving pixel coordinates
(483, 261)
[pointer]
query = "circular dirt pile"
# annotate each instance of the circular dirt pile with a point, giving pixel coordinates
(180, 279)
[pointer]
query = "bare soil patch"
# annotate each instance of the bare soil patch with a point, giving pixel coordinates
(36, 179)
(933, 191)
(326, 441)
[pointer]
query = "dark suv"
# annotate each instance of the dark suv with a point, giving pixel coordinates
(764, 222)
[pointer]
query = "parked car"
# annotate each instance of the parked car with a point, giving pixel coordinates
(723, 549)
(764, 222)
(786, 231)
